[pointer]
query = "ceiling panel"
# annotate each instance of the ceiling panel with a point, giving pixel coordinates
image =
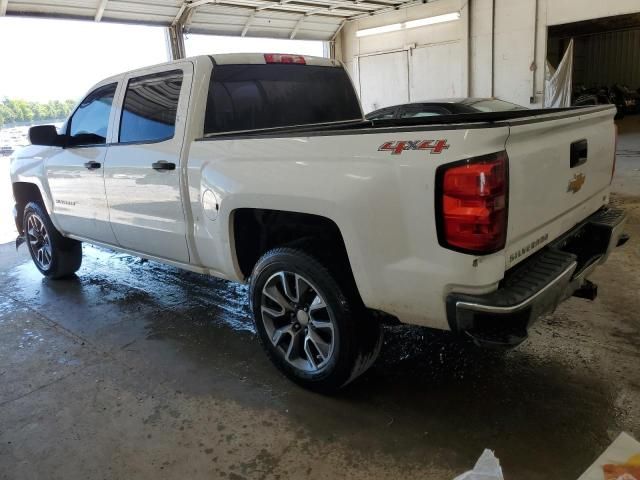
(301, 19)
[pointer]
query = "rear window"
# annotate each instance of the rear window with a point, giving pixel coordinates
(247, 97)
(489, 105)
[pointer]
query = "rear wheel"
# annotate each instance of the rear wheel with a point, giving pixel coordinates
(313, 330)
(54, 255)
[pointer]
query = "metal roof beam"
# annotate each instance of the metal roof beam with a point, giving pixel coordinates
(297, 27)
(199, 3)
(100, 10)
(273, 4)
(248, 24)
(180, 15)
(186, 11)
(289, 8)
(333, 4)
(391, 8)
(332, 9)
(335, 35)
(352, 3)
(330, 5)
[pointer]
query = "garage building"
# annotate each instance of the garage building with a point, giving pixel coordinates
(138, 369)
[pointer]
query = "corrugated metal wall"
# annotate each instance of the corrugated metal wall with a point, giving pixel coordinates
(608, 58)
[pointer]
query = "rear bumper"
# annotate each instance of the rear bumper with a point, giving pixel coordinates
(536, 286)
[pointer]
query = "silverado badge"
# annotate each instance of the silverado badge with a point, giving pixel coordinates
(576, 183)
(396, 148)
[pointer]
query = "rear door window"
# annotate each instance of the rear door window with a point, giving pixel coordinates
(248, 97)
(150, 107)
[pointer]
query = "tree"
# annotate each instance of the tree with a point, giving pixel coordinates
(16, 110)
(6, 115)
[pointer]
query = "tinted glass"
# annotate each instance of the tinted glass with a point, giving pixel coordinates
(246, 97)
(150, 106)
(90, 121)
(489, 105)
(423, 112)
(381, 114)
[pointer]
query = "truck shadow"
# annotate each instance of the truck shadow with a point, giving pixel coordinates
(429, 397)
(430, 392)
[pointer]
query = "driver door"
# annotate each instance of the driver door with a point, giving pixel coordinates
(76, 172)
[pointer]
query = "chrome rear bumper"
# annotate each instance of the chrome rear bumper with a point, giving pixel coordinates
(538, 285)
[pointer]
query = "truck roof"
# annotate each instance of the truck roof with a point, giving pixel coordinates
(231, 59)
(259, 58)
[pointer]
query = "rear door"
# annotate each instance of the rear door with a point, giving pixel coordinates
(143, 165)
(560, 168)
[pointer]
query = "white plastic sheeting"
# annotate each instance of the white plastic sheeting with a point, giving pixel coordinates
(557, 83)
(486, 468)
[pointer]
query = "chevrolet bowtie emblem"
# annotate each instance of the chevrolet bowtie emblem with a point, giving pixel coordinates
(576, 183)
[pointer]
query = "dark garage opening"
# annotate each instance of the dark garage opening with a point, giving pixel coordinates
(605, 58)
(606, 69)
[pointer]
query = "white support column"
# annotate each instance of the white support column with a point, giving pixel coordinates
(330, 46)
(175, 42)
(465, 22)
(3, 7)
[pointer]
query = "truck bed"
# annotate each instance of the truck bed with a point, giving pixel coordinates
(385, 204)
(454, 121)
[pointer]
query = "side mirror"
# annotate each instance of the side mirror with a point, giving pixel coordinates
(44, 135)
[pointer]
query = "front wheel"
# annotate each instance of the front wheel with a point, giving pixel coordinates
(313, 330)
(54, 255)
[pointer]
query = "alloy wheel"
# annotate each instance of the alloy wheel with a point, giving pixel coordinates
(298, 321)
(39, 241)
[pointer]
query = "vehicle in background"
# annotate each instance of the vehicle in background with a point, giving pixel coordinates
(6, 150)
(447, 106)
(602, 95)
(625, 98)
(260, 168)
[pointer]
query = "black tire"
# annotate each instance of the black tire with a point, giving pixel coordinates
(65, 256)
(356, 337)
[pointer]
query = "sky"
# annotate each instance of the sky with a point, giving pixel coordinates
(42, 60)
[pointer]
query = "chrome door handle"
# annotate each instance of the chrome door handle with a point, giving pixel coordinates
(92, 165)
(163, 165)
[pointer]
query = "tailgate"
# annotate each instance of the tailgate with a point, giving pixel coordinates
(560, 169)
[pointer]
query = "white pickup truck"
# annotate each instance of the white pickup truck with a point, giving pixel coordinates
(260, 168)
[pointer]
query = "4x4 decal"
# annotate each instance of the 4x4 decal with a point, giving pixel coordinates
(399, 146)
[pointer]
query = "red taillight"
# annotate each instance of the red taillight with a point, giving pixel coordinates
(471, 198)
(283, 58)
(615, 149)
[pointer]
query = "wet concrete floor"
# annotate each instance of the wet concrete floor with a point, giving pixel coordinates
(139, 370)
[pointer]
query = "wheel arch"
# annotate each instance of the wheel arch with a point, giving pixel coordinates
(23, 193)
(254, 231)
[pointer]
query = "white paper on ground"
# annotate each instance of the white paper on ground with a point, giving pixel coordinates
(487, 468)
(618, 453)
